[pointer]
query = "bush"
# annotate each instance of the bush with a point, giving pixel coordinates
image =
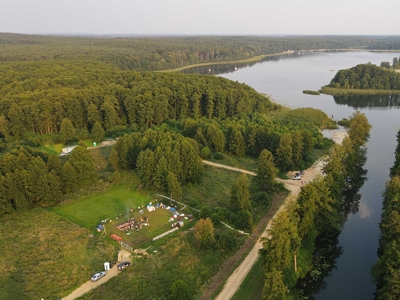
(205, 212)
(215, 218)
(263, 198)
(218, 155)
(117, 131)
(227, 241)
(205, 152)
(180, 291)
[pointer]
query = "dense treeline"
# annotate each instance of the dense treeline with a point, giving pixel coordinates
(169, 156)
(30, 178)
(290, 136)
(37, 96)
(366, 76)
(387, 269)
(395, 65)
(386, 43)
(157, 153)
(158, 53)
(321, 208)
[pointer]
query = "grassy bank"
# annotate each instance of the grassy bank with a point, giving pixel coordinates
(252, 285)
(310, 92)
(342, 92)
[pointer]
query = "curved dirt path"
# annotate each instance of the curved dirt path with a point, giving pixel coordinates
(123, 255)
(213, 164)
(236, 278)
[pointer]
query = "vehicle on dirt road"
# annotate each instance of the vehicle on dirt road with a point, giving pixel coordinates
(123, 265)
(297, 176)
(97, 276)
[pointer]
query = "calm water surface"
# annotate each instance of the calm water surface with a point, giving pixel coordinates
(284, 79)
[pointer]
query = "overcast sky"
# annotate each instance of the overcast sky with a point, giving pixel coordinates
(198, 17)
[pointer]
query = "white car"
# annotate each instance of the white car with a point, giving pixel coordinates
(97, 276)
(297, 176)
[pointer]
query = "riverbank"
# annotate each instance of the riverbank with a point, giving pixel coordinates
(234, 281)
(247, 60)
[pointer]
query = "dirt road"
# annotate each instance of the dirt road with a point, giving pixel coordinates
(123, 255)
(237, 277)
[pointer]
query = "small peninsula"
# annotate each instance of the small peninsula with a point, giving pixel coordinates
(367, 79)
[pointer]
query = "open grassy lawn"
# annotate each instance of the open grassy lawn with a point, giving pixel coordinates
(157, 224)
(43, 255)
(213, 190)
(252, 286)
(52, 148)
(91, 210)
(117, 206)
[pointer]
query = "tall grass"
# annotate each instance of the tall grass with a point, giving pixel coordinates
(43, 255)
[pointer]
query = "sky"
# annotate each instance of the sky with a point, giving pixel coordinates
(201, 17)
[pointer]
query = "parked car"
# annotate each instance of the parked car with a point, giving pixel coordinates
(297, 176)
(123, 265)
(97, 276)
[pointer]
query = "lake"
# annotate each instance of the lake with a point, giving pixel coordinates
(283, 79)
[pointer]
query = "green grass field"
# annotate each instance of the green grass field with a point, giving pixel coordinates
(43, 255)
(214, 189)
(90, 210)
(115, 205)
(52, 148)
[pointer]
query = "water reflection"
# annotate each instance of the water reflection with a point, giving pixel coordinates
(327, 245)
(324, 262)
(230, 68)
(369, 101)
(364, 211)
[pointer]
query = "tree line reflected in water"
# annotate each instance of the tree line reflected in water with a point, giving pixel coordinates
(369, 101)
(327, 246)
(232, 67)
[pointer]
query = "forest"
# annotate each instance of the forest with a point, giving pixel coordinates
(294, 258)
(61, 91)
(160, 53)
(366, 76)
(386, 270)
(35, 97)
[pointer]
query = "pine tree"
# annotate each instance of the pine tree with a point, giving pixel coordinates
(83, 164)
(69, 179)
(266, 171)
(284, 153)
(274, 288)
(67, 130)
(54, 164)
(97, 132)
(174, 186)
(114, 159)
(240, 193)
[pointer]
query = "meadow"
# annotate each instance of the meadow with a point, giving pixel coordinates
(43, 255)
(91, 210)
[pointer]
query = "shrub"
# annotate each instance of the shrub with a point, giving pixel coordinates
(226, 241)
(215, 218)
(218, 155)
(205, 152)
